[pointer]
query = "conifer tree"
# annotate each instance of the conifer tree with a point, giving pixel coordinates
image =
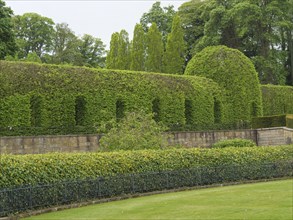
(138, 49)
(174, 56)
(155, 49)
(112, 57)
(123, 58)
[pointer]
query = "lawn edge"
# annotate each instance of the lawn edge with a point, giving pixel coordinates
(129, 196)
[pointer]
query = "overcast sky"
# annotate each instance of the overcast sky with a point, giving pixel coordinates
(95, 17)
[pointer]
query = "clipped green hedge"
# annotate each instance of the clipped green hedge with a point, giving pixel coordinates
(269, 121)
(289, 121)
(277, 99)
(49, 168)
(233, 71)
(63, 96)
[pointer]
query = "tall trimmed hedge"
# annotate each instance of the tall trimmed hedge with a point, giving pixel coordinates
(277, 99)
(72, 96)
(233, 71)
(49, 168)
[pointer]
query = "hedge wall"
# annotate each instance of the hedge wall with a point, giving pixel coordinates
(54, 96)
(277, 99)
(48, 168)
(269, 121)
(235, 72)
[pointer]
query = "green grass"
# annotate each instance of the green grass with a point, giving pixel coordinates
(267, 200)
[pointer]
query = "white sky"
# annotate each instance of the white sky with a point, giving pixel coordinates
(95, 17)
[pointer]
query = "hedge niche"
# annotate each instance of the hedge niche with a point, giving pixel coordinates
(49, 96)
(233, 71)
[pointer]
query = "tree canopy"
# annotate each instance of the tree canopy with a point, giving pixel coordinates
(161, 16)
(262, 30)
(7, 37)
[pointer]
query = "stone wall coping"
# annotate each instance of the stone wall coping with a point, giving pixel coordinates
(52, 136)
(275, 128)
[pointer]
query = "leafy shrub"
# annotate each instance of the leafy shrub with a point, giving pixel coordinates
(135, 131)
(49, 168)
(236, 142)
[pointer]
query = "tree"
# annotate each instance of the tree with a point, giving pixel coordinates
(112, 57)
(138, 50)
(174, 56)
(194, 14)
(33, 57)
(123, 53)
(65, 46)
(135, 131)
(161, 16)
(7, 38)
(92, 51)
(34, 33)
(262, 30)
(155, 50)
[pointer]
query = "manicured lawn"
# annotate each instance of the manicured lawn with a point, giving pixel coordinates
(267, 200)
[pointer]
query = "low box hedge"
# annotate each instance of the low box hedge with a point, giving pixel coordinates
(269, 121)
(289, 121)
(18, 170)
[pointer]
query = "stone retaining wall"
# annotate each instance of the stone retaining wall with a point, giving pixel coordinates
(90, 143)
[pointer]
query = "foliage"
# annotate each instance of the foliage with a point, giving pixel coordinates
(289, 121)
(234, 72)
(60, 88)
(7, 38)
(155, 49)
(162, 17)
(34, 33)
(112, 56)
(277, 100)
(65, 46)
(174, 56)
(138, 49)
(123, 53)
(269, 121)
(19, 170)
(262, 30)
(33, 57)
(135, 131)
(236, 142)
(92, 51)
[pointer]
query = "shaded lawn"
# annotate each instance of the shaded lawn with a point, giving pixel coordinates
(267, 200)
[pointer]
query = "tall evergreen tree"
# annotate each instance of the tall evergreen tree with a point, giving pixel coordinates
(155, 50)
(123, 59)
(138, 49)
(112, 57)
(174, 56)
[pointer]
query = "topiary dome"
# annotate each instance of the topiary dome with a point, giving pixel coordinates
(233, 71)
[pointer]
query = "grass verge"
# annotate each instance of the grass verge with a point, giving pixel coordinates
(267, 200)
